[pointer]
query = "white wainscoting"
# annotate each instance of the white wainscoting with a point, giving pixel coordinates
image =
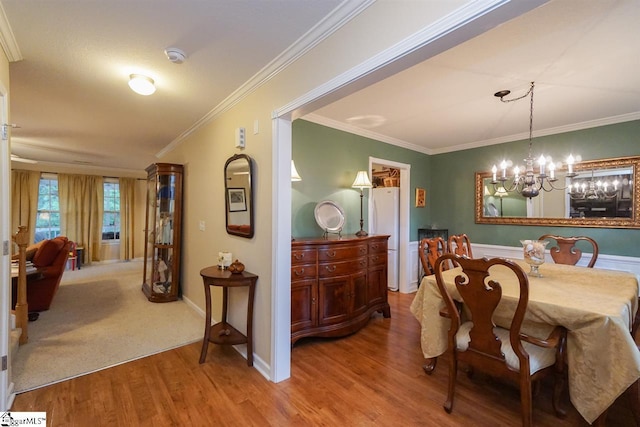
(606, 262)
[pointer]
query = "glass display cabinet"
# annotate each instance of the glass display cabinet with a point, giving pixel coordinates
(161, 277)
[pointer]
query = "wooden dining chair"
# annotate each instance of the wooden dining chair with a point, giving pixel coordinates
(566, 251)
(459, 244)
(429, 251)
(505, 353)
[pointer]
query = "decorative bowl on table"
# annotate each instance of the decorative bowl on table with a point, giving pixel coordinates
(533, 251)
(236, 267)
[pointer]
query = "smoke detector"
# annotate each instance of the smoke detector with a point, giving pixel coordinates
(175, 55)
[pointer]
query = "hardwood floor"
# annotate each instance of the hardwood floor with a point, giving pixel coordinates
(373, 377)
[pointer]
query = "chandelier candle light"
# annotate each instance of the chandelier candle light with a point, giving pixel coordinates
(361, 182)
(524, 179)
(594, 190)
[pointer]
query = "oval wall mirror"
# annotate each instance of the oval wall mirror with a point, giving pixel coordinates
(238, 188)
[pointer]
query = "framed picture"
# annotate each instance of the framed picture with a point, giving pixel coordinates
(237, 199)
(421, 196)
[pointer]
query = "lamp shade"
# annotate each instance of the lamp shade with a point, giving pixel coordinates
(362, 180)
(142, 85)
(501, 192)
(294, 173)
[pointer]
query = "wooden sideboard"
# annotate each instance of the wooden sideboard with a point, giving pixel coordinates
(336, 284)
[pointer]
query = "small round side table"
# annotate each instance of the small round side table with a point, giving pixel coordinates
(223, 333)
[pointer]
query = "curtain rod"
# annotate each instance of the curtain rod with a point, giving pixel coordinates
(111, 177)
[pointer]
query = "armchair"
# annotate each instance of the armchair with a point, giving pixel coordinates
(50, 258)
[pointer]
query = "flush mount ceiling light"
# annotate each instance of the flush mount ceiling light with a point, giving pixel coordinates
(142, 85)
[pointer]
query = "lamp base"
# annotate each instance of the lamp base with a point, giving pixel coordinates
(362, 233)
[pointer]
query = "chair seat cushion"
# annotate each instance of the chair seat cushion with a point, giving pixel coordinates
(539, 357)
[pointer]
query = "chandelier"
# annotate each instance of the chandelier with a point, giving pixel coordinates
(524, 179)
(594, 190)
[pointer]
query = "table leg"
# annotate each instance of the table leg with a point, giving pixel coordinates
(225, 301)
(252, 289)
(207, 325)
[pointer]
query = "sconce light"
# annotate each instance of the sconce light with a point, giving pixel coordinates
(361, 182)
(142, 85)
(294, 173)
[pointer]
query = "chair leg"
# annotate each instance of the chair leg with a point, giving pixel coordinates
(453, 370)
(430, 365)
(559, 377)
(525, 403)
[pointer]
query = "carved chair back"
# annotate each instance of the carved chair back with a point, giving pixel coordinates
(566, 251)
(429, 251)
(460, 244)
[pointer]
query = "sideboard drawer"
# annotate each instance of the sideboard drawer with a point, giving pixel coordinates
(334, 254)
(303, 271)
(328, 269)
(378, 246)
(303, 256)
(377, 259)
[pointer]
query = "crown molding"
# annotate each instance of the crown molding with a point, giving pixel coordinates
(7, 39)
(334, 124)
(543, 132)
(340, 16)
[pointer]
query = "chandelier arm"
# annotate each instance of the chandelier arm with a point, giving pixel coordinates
(552, 187)
(513, 187)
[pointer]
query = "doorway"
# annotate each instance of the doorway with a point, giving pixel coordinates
(402, 267)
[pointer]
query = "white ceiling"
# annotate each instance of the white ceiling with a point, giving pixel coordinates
(69, 93)
(584, 57)
(70, 99)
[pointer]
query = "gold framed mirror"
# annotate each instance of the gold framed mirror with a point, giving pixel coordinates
(619, 208)
(238, 195)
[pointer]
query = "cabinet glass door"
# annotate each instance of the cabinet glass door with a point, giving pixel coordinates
(150, 232)
(163, 253)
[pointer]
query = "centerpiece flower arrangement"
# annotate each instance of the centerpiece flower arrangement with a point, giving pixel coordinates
(533, 251)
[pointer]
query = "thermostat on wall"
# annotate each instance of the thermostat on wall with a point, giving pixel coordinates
(240, 138)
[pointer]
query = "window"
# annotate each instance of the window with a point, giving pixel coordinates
(111, 217)
(48, 215)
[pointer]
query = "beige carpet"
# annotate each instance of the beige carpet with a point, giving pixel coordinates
(100, 318)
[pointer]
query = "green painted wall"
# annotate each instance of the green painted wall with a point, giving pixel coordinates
(328, 160)
(453, 185)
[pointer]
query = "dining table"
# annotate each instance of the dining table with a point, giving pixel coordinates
(596, 306)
